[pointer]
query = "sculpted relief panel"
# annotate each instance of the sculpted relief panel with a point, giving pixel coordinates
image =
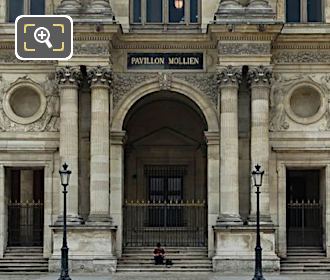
(29, 106)
(290, 102)
(123, 83)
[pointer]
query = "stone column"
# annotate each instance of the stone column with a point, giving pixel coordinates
(100, 7)
(229, 188)
(68, 78)
(260, 86)
(99, 78)
(68, 6)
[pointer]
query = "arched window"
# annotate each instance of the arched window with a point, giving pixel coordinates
(304, 10)
(16, 8)
(146, 12)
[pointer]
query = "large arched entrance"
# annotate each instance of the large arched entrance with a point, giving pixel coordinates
(165, 174)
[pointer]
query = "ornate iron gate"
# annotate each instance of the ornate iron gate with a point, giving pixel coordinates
(173, 223)
(25, 223)
(304, 223)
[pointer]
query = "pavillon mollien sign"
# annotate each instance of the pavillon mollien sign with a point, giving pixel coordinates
(165, 61)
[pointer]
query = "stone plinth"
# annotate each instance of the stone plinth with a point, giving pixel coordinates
(235, 249)
(90, 249)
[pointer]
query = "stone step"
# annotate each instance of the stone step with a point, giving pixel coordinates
(150, 260)
(5, 260)
(173, 257)
(163, 269)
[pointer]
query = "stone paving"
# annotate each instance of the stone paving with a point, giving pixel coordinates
(165, 276)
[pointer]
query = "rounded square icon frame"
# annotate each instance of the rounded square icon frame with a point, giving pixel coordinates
(58, 16)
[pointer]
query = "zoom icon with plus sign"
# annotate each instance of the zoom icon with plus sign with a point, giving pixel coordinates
(43, 37)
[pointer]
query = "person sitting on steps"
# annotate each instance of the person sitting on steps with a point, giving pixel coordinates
(159, 254)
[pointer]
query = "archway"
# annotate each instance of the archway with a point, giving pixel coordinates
(165, 172)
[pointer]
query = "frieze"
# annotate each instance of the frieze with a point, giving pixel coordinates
(243, 48)
(49, 121)
(287, 57)
(91, 48)
(9, 57)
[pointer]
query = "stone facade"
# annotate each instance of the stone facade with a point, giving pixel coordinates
(262, 96)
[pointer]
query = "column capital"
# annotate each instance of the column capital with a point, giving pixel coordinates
(260, 76)
(99, 76)
(229, 76)
(68, 76)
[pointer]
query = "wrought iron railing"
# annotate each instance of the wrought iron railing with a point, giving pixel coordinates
(25, 223)
(172, 223)
(304, 220)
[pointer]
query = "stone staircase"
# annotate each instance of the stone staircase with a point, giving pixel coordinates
(23, 260)
(305, 260)
(140, 259)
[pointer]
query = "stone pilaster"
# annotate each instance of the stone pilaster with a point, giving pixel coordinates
(259, 78)
(68, 78)
(229, 187)
(99, 78)
(68, 7)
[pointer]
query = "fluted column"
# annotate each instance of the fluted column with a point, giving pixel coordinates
(68, 79)
(99, 78)
(229, 188)
(259, 78)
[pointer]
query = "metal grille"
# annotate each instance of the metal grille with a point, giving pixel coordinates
(25, 223)
(304, 222)
(173, 223)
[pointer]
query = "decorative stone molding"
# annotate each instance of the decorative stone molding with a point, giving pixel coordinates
(206, 82)
(68, 75)
(68, 7)
(8, 56)
(294, 56)
(260, 75)
(91, 48)
(229, 76)
(99, 76)
(46, 118)
(165, 80)
(123, 83)
(244, 48)
(283, 86)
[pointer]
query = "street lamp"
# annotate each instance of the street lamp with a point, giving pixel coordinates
(65, 178)
(257, 179)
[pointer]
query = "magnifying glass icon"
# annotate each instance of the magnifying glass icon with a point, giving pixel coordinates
(41, 35)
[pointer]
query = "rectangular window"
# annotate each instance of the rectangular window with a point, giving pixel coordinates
(15, 9)
(175, 14)
(37, 7)
(193, 11)
(293, 10)
(137, 11)
(155, 11)
(314, 10)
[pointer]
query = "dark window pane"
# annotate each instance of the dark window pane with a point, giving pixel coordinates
(15, 9)
(193, 11)
(136, 10)
(175, 14)
(154, 11)
(314, 10)
(37, 7)
(293, 10)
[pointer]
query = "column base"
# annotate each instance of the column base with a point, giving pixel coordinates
(264, 220)
(70, 220)
(95, 219)
(90, 249)
(235, 249)
(226, 219)
(68, 7)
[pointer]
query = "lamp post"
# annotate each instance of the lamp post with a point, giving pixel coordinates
(65, 177)
(257, 175)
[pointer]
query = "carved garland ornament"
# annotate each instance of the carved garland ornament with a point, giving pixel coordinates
(50, 118)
